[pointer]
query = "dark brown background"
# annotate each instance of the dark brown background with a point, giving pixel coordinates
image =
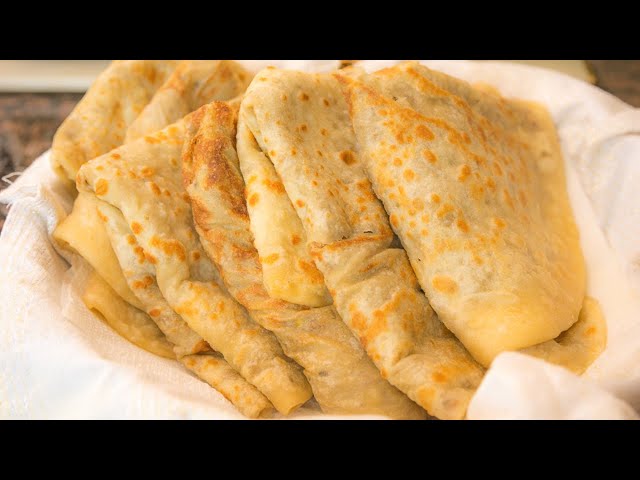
(29, 120)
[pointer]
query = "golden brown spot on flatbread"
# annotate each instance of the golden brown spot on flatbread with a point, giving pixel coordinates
(444, 210)
(283, 97)
(300, 203)
(295, 239)
(590, 331)
(323, 132)
(462, 225)
(424, 132)
(438, 377)
(435, 198)
(523, 198)
(253, 199)
(303, 127)
(149, 257)
(154, 312)
(397, 162)
(444, 284)
(269, 259)
(429, 156)
(116, 156)
(272, 153)
(497, 168)
(150, 139)
(169, 247)
(146, 282)
(102, 186)
(195, 255)
(409, 174)
(275, 186)
(303, 96)
(131, 239)
(312, 272)
(326, 102)
(347, 157)
(394, 220)
(147, 171)
(463, 172)
(155, 188)
(136, 228)
(491, 184)
(507, 197)
(498, 222)
(294, 152)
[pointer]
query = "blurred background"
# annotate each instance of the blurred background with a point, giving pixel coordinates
(37, 95)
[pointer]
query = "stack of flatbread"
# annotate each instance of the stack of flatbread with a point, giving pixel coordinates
(372, 241)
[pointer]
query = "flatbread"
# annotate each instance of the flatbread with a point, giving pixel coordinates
(288, 270)
(372, 284)
(82, 232)
(190, 349)
(578, 347)
(99, 121)
(475, 188)
(192, 84)
(342, 377)
(216, 371)
(143, 180)
(140, 277)
(128, 321)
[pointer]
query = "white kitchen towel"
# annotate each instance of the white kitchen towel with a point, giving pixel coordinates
(59, 361)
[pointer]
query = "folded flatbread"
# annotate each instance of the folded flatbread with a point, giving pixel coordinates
(301, 125)
(130, 322)
(100, 120)
(192, 84)
(82, 232)
(343, 378)
(188, 346)
(143, 180)
(475, 189)
(373, 286)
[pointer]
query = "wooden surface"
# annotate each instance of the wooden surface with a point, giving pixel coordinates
(620, 77)
(29, 120)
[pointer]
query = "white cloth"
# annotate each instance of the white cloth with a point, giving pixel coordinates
(58, 361)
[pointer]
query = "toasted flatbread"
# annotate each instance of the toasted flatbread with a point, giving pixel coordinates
(343, 378)
(192, 84)
(372, 284)
(474, 185)
(143, 180)
(100, 120)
